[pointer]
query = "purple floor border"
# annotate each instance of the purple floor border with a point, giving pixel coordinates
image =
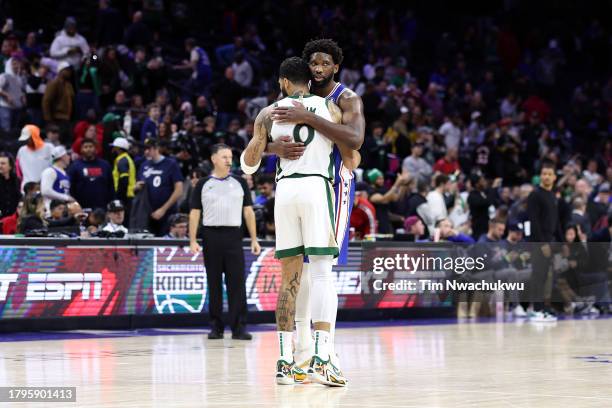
(101, 334)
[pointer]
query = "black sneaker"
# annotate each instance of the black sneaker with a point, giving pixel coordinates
(215, 335)
(243, 335)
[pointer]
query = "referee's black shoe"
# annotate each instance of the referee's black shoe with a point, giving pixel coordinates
(215, 334)
(242, 335)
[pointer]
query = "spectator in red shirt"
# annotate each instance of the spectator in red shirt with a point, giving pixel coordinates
(538, 105)
(363, 216)
(449, 163)
(93, 132)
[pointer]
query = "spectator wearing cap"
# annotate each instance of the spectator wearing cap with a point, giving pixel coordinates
(115, 213)
(414, 227)
(363, 216)
(448, 164)
(515, 233)
(55, 182)
(69, 46)
(124, 173)
(111, 124)
(382, 197)
(149, 129)
(12, 93)
(34, 156)
(58, 100)
(416, 165)
(164, 181)
(178, 227)
(10, 188)
(91, 178)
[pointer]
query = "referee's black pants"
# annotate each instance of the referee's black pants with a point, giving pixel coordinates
(222, 250)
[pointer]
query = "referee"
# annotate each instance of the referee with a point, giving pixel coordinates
(223, 199)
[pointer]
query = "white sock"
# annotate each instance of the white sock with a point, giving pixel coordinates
(302, 312)
(321, 338)
(285, 346)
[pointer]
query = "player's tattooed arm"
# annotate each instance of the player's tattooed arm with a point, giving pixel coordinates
(350, 157)
(257, 145)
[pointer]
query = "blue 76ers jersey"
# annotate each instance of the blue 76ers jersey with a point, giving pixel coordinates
(344, 188)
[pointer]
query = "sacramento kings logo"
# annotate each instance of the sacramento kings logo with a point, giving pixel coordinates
(179, 281)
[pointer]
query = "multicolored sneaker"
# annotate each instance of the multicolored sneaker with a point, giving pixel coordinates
(335, 363)
(324, 372)
(289, 373)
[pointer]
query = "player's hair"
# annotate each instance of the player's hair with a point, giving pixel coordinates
(219, 146)
(324, 45)
(548, 164)
(295, 70)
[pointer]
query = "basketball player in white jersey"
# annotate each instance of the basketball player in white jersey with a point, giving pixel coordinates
(303, 215)
(324, 57)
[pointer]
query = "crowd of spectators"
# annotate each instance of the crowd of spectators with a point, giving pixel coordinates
(460, 114)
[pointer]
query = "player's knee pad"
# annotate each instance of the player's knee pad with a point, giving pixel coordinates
(321, 268)
(323, 293)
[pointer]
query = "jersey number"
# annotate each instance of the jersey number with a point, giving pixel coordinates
(298, 137)
(156, 181)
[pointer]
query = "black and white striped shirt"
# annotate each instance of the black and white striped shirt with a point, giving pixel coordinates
(221, 200)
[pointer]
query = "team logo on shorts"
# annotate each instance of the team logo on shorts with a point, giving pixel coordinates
(179, 281)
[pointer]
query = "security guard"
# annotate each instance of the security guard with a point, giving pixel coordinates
(221, 200)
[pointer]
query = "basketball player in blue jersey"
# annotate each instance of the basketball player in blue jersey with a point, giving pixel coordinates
(324, 57)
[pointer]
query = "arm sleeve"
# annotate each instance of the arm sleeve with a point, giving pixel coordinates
(196, 195)
(246, 200)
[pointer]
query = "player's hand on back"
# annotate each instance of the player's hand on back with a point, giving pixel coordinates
(288, 114)
(285, 148)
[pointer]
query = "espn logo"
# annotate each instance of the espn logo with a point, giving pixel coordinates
(60, 286)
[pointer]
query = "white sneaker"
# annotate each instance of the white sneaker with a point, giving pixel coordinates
(519, 312)
(544, 317)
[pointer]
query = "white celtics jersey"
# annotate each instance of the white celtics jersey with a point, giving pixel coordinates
(317, 159)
